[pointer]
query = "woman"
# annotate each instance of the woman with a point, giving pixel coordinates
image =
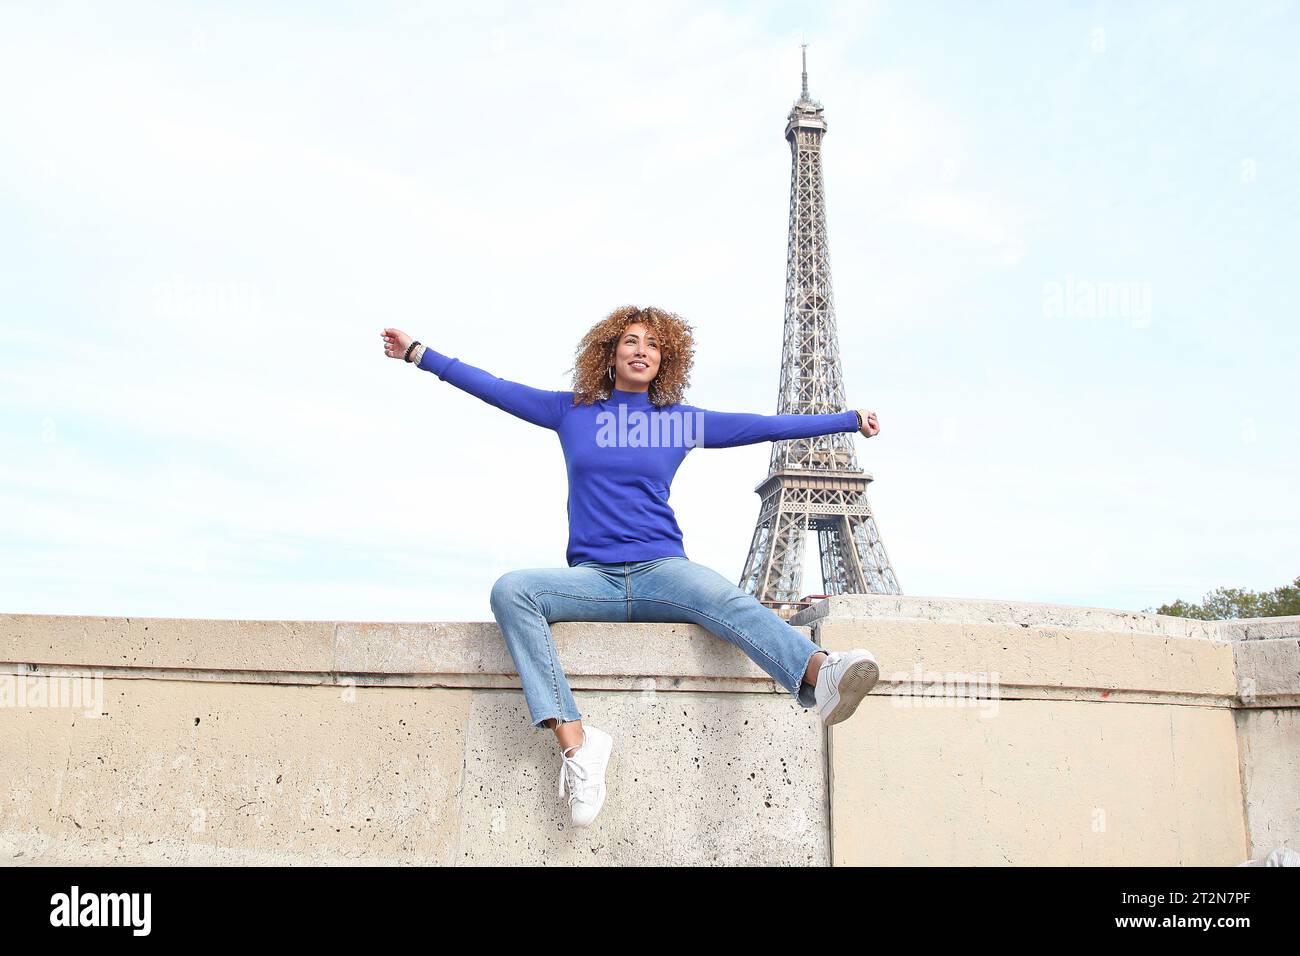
(625, 432)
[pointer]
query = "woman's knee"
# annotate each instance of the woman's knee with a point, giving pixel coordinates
(507, 589)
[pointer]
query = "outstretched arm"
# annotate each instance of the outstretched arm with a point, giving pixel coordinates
(535, 405)
(728, 429)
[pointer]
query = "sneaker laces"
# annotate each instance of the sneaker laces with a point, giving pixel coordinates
(576, 774)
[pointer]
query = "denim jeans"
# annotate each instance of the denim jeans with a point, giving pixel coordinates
(673, 589)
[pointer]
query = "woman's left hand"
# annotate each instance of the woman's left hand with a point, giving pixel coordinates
(869, 424)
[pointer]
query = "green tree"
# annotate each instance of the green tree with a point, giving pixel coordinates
(1224, 603)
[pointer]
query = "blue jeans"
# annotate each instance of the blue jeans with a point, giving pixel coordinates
(672, 589)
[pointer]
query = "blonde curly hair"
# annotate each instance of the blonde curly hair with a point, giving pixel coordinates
(595, 354)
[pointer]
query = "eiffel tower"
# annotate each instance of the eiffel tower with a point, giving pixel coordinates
(812, 483)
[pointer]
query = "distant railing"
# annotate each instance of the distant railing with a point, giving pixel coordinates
(788, 609)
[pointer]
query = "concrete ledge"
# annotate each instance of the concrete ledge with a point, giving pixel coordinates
(450, 654)
(1258, 628)
(1019, 613)
(1098, 736)
(166, 643)
(1268, 672)
(1025, 661)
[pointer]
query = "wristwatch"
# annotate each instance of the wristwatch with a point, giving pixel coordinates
(859, 414)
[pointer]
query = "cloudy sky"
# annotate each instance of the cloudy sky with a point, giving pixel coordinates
(1062, 242)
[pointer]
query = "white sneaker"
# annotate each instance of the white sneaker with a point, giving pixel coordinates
(844, 679)
(584, 773)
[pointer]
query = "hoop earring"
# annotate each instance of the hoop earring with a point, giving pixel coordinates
(611, 373)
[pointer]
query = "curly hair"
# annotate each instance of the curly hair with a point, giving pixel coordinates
(595, 354)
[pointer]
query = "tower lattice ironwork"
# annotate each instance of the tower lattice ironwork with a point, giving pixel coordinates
(812, 483)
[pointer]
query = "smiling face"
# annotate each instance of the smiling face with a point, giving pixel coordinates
(636, 359)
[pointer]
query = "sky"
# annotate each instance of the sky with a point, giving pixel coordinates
(1062, 241)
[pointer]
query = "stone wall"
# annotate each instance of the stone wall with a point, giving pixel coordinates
(1000, 733)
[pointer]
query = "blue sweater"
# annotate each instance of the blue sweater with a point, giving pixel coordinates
(622, 454)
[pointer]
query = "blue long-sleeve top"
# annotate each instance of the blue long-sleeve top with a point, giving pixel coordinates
(622, 454)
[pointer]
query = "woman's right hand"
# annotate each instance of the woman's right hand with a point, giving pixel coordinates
(396, 342)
